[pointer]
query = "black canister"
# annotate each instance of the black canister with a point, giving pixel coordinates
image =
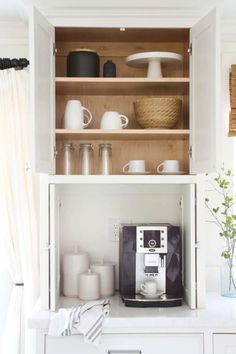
(109, 69)
(83, 63)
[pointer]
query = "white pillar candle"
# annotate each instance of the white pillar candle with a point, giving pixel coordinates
(89, 286)
(107, 277)
(74, 264)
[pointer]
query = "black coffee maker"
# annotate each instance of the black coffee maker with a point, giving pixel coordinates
(150, 254)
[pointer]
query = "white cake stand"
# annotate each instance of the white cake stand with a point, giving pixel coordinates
(153, 59)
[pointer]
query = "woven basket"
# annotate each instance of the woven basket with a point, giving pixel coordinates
(161, 113)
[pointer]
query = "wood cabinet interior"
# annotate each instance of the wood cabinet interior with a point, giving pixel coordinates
(118, 94)
(152, 151)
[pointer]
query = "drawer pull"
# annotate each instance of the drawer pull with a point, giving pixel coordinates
(124, 352)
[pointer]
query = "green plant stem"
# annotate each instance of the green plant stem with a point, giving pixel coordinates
(215, 188)
(215, 217)
(224, 217)
(231, 277)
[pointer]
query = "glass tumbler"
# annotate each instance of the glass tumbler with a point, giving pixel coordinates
(67, 152)
(86, 159)
(105, 159)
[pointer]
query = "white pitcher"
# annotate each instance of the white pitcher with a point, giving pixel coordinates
(76, 116)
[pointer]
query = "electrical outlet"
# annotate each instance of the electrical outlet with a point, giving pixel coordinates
(116, 231)
(114, 228)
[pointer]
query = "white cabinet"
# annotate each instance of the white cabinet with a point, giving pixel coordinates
(197, 133)
(204, 94)
(81, 210)
(42, 71)
(224, 343)
(203, 83)
(129, 344)
(77, 209)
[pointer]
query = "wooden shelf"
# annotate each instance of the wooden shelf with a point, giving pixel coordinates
(128, 134)
(121, 86)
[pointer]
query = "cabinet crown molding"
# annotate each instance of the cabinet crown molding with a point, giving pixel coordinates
(123, 16)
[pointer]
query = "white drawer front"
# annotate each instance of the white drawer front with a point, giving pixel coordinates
(129, 344)
(224, 343)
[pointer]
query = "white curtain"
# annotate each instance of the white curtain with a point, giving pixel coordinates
(18, 235)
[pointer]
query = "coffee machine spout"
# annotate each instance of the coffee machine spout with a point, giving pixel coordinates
(162, 257)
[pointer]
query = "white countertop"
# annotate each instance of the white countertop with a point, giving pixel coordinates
(219, 315)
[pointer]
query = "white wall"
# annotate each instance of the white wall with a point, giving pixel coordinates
(13, 40)
(13, 44)
(214, 243)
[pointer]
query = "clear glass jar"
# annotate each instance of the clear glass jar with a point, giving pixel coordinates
(86, 159)
(105, 159)
(67, 156)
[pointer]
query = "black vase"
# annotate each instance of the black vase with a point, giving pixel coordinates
(109, 69)
(83, 63)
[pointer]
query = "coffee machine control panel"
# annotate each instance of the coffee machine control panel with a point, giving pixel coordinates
(151, 239)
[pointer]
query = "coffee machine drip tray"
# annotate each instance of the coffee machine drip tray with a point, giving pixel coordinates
(161, 301)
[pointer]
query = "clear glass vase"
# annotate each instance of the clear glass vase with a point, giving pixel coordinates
(228, 279)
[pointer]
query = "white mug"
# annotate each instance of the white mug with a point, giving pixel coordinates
(76, 116)
(149, 287)
(135, 166)
(168, 166)
(113, 120)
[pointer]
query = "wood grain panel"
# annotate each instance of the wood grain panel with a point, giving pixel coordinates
(129, 35)
(152, 151)
(119, 49)
(124, 86)
(100, 104)
(117, 52)
(118, 96)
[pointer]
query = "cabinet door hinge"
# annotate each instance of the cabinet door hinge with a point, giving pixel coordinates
(55, 152)
(47, 246)
(54, 49)
(197, 245)
(190, 151)
(190, 49)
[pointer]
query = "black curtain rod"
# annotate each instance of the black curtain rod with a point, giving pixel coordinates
(18, 64)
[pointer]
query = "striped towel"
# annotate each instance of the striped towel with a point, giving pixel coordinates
(86, 319)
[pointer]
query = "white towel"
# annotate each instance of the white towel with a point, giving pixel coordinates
(87, 319)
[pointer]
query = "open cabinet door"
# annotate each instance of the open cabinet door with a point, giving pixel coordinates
(204, 94)
(42, 91)
(189, 250)
(54, 258)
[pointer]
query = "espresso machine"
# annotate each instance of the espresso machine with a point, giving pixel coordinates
(150, 253)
